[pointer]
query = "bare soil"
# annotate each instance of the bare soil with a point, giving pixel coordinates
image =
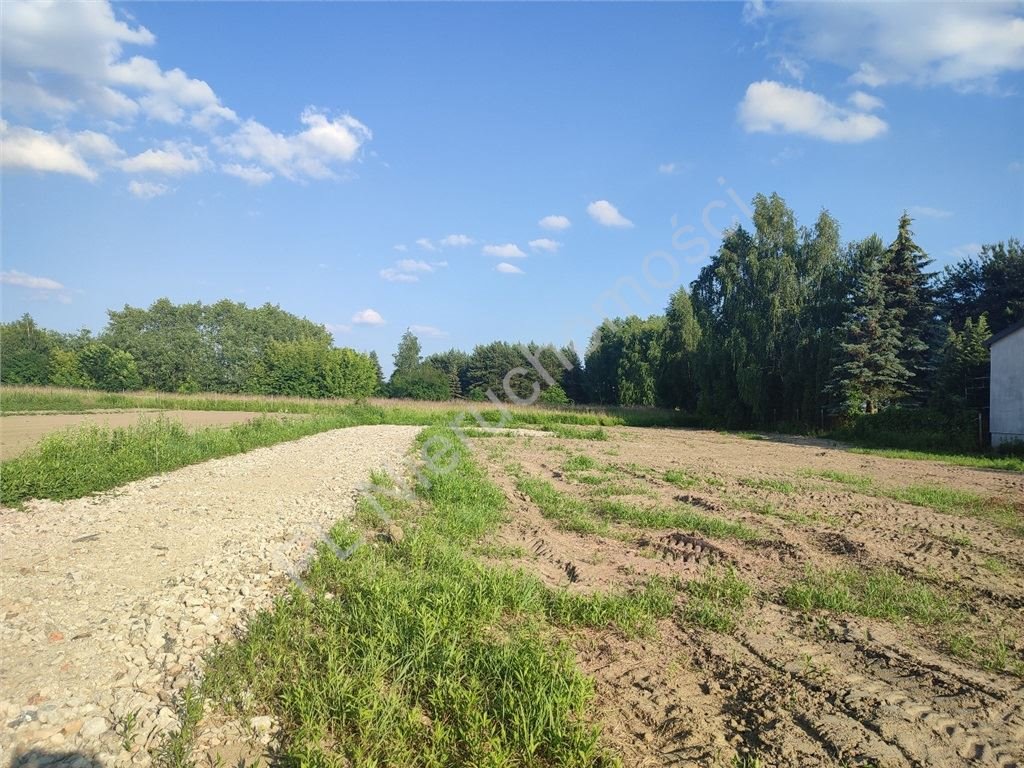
(18, 433)
(787, 688)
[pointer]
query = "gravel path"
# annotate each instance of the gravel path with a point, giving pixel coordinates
(108, 603)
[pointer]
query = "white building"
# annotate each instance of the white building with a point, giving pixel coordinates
(1006, 399)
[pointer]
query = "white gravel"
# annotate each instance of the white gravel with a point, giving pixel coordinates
(108, 603)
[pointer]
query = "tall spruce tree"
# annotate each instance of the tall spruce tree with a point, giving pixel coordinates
(870, 374)
(909, 296)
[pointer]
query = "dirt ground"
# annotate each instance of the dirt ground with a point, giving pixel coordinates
(19, 433)
(787, 688)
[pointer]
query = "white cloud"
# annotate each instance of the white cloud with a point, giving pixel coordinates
(771, 107)
(401, 247)
(606, 214)
(509, 269)
(753, 10)
(367, 317)
(408, 270)
(250, 174)
(59, 58)
(506, 251)
(428, 330)
(794, 67)
(668, 168)
(927, 212)
(1015, 166)
(338, 327)
(555, 223)
(147, 190)
(172, 160)
(865, 102)
(457, 241)
(545, 244)
(393, 275)
(965, 250)
(30, 149)
(309, 154)
(63, 59)
(968, 46)
(425, 244)
(24, 280)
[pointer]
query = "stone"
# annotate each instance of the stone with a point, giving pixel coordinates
(262, 724)
(394, 533)
(93, 727)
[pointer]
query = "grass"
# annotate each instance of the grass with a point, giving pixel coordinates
(424, 656)
(882, 594)
(768, 509)
(19, 399)
(995, 653)
(686, 480)
(716, 601)
(593, 516)
(979, 461)
(576, 433)
(767, 484)
(570, 514)
(80, 461)
(579, 463)
(950, 501)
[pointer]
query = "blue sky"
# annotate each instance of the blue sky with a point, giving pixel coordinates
(376, 167)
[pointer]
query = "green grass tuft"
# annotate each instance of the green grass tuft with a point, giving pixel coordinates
(882, 594)
(716, 601)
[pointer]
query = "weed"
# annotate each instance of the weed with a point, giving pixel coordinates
(950, 501)
(570, 514)
(125, 726)
(576, 433)
(579, 463)
(716, 601)
(175, 750)
(880, 593)
(766, 484)
(685, 479)
(995, 565)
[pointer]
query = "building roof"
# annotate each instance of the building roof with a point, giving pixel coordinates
(1005, 332)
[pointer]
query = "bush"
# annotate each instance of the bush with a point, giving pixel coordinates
(921, 429)
(553, 395)
(422, 383)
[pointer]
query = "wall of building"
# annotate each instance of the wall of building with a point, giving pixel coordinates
(1006, 417)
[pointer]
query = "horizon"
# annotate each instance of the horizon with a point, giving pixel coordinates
(478, 172)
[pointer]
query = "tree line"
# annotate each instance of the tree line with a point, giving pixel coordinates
(786, 325)
(223, 347)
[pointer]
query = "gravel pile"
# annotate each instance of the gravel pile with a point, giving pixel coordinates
(108, 603)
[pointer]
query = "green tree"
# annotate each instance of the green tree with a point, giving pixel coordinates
(423, 382)
(381, 386)
(676, 378)
(908, 295)
(990, 284)
(113, 370)
(306, 368)
(454, 365)
(407, 356)
(870, 374)
(65, 370)
(962, 376)
(25, 352)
